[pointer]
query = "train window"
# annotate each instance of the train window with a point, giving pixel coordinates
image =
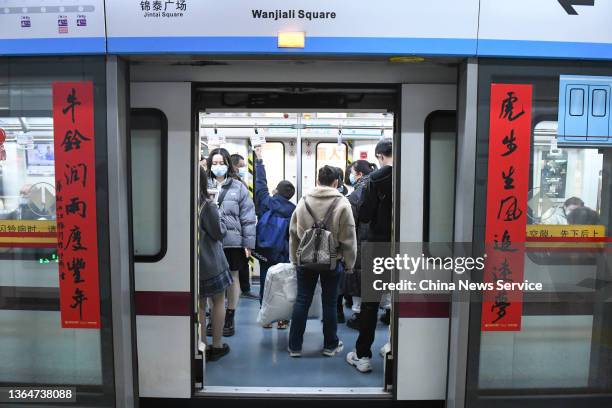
(331, 154)
(600, 97)
(440, 141)
(560, 179)
(577, 102)
(275, 168)
(27, 185)
(148, 144)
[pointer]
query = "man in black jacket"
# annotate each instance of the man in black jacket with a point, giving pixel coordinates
(376, 207)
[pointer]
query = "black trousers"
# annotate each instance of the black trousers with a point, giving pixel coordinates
(244, 277)
(368, 318)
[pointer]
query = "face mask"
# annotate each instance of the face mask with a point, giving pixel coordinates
(219, 170)
(352, 179)
(242, 172)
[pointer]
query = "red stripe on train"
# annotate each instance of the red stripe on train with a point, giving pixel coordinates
(163, 303)
(179, 304)
(424, 306)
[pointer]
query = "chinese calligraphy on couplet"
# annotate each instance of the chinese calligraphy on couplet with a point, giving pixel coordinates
(507, 189)
(75, 182)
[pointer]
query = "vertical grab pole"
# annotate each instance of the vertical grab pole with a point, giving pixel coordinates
(298, 157)
(250, 168)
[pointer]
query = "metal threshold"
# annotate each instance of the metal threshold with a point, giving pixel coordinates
(291, 392)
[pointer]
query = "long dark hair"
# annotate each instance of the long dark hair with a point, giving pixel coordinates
(231, 171)
(203, 184)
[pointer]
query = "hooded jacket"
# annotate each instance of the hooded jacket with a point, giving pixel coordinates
(376, 205)
(278, 204)
(342, 224)
(237, 212)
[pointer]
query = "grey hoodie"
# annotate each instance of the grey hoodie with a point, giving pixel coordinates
(238, 213)
(342, 225)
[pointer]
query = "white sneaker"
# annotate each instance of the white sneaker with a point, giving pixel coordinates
(334, 351)
(385, 349)
(361, 364)
(294, 353)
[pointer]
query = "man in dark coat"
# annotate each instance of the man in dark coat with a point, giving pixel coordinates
(376, 207)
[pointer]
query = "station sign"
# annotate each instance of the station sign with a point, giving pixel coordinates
(31, 27)
(520, 28)
(446, 27)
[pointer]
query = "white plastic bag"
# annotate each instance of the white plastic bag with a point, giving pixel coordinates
(280, 292)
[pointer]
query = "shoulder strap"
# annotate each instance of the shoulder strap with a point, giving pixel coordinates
(224, 191)
(330, 210)
(310, 210)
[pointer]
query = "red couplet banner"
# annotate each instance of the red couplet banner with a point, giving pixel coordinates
(507, 193)
(75, 185)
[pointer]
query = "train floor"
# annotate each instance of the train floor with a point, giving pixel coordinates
(259, 358)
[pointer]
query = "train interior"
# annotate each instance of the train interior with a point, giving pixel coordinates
(296, 144)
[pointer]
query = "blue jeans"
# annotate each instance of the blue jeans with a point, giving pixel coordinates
(306, 284)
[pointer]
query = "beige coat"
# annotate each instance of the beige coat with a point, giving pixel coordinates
(342, 223)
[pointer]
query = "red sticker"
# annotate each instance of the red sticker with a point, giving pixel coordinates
(507, 192)
(363, 155)
(75, 178)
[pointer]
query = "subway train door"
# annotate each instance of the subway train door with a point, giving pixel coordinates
(324, 125)
(166, 281)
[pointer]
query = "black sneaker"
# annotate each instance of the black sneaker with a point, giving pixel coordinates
(214, 353)
(386, 318)
(249, 295)
(354, 321)
(228, 327)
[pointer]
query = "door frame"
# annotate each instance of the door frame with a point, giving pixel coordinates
(395, 92)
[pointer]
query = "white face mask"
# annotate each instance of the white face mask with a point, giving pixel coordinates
(219, 170)
(242, 172)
